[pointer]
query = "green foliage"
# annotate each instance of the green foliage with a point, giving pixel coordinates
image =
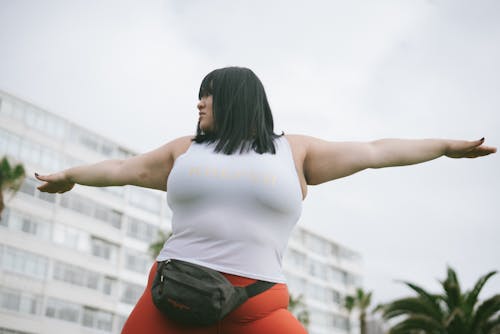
(361, 300)
(157, 245)
(451, 312)
(297, 307)
(11, 179)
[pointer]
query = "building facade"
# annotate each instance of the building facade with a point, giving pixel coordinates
(323, 273)
(78, 262)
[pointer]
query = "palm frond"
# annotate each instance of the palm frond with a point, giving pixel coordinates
(365, 302)
(484, 312)
(417, 323)
(470, 297)
(456, 323)
(432, 301)
(349, 303)
(11, 178)
(451, 286)
(492, 326)
(411, 306)
(379, 308)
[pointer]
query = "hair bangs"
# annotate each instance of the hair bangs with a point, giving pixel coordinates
(207, 86)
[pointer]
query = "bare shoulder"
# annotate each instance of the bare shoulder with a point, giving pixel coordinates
(297, 141)
(180, 145)
(301, 143)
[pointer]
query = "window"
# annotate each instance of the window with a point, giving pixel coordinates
(322, 318)
(98, 319)
(89, 141)
(13, 144)
(108, 215)
(16, 300)
(145, 199)
(69, 274)
(34, 118)
(337, 297)
(62, 310)
(317, 292)
(297, 260)
(77, 203)
(50, 159)
(90, 208)
(108, 285)
(341, 322)
(23, 262)
(55, 127)
(353, 279)
(317, 269)
(131, 293)
(107, 149)
(51, 198)
(10, 300)
(80, 276)
(71, 237)
(4, 221)
(138, 262)
(24, 223)
(141, 230)
(29, 151)
(116, 191)
(29, 186)
(104, 249)
(122, 153)
(120, 322)
(348, 255)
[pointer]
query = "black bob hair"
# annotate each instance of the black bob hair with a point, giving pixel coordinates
(241, 112)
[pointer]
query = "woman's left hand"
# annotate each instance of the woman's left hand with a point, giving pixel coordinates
(468, 149)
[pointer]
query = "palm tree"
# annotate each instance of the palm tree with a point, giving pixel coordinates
(451, 312)
(11, 179)
(297, 307)
(361, 300)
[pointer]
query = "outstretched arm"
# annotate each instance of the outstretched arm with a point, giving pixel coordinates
(325, 161)
(149, 170)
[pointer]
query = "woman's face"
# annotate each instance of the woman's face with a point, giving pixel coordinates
(206, 113)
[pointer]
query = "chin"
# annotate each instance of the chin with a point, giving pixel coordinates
(206, 129)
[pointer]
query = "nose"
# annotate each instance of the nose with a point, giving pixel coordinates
(200, 104)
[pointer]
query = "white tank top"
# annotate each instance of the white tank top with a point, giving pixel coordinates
(233, 213)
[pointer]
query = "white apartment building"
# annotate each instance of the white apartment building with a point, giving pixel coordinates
(323, 272)
(78, 262)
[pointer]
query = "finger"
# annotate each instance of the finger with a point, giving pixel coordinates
(42, 177)
(478, 142)
(473, 145)
(481, 151)
(47, 188)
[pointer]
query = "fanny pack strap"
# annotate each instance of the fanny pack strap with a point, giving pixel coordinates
(258, 287)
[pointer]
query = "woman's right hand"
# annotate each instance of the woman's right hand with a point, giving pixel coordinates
(55, 183)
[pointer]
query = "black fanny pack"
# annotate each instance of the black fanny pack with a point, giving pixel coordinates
(195, 295)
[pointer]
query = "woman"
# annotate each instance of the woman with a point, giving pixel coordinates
(235, 190)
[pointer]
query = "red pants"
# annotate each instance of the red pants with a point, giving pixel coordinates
(261, 314)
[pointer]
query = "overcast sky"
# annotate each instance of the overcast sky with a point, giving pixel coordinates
(339, 70)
